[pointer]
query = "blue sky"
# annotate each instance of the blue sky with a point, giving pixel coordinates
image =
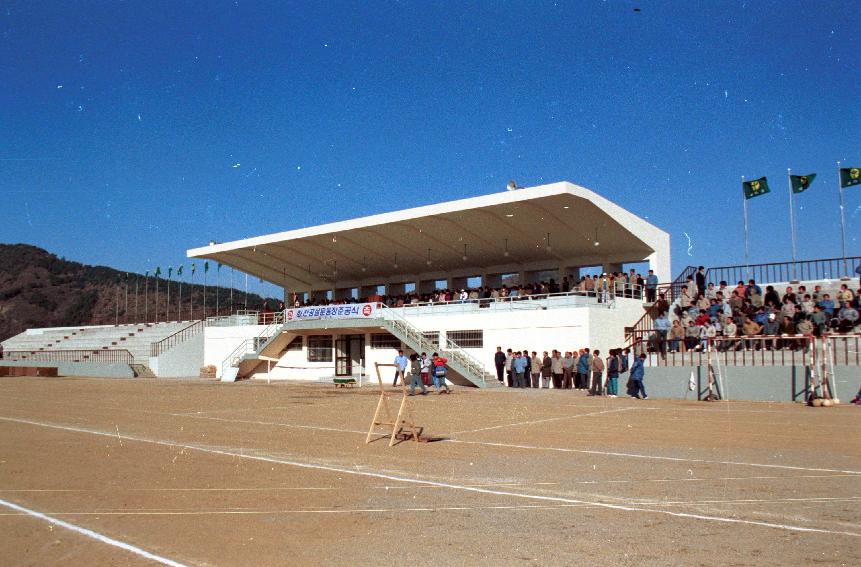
(133, 131)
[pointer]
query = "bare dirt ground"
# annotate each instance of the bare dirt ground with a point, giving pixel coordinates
(202, 473)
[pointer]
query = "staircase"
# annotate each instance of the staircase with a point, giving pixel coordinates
(636, 332)
(247, 354)
(142, 371)
(458, 359)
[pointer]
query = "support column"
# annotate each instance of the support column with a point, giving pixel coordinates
(610, 267)
(457, 284)
(394, 289)
(426, 286)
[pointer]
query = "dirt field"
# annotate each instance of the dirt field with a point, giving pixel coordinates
(202, 473)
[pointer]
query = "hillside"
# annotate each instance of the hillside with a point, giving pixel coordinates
(38, 289)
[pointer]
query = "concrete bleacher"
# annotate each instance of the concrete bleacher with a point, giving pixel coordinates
(136, 338)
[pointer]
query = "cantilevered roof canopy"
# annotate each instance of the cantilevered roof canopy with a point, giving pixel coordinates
(497, 233)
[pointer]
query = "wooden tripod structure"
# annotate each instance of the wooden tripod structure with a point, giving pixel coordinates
(403, 425)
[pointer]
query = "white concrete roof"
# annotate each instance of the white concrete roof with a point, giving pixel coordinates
(501, 232)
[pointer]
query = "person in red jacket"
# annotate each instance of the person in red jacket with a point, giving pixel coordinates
(438, 371)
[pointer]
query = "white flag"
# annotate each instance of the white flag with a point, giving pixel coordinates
(692, 383)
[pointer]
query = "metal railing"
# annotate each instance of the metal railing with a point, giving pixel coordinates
(773, 350)
(120, 356)
(826, 268)
(167, 343)
(845, 349)
(574, 298)
(463, 362)
(256, 344)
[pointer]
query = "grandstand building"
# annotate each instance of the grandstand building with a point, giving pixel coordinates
(357, 291)
(527, 235)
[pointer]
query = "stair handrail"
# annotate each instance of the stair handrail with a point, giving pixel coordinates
(170, 341)
(453, 351)
(255, 344)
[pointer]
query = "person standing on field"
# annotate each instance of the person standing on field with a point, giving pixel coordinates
(415, 375)
(638, 372)
(402, 362)
(499, 361)
(614, 363)
(438, 366)
(597, 375)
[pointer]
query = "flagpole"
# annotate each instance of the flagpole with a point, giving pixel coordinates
(842, 223)
(146, 298)
(217, 288)
(167, 305)
(179, 301)
(791, 221)
(137, 297)
(744, 203)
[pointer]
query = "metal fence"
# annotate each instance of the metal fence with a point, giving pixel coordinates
(776, 350)
(120, 356)
(826, 268)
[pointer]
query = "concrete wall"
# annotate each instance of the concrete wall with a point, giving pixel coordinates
(521, 328)
(219, 342)
(97, 370)
(758, 383)
(183, 360)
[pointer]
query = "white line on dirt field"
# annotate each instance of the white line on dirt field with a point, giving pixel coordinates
(461, 487)
(91, 534)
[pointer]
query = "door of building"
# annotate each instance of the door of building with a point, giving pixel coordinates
(349, 355)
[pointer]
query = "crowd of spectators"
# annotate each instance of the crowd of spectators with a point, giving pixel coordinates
(577, 369)
(619, 284)
(703, 312)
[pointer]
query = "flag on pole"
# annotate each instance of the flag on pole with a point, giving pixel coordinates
(193, 268)
(169, 272)
(800, 183)
(158, 271)
(219, 267)
(850, 176)
(755, 188)
(179, 271)
(205, 267)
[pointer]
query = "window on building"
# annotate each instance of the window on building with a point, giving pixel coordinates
(319, 348)
(432, 337)
(385, 340)
(295, 344)
(465, 339)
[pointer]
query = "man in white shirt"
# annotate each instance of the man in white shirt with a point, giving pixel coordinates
(402, 362)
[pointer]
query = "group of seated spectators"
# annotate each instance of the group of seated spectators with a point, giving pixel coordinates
(703, 313)
(604, 286)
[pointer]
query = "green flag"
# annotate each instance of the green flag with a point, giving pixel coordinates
(850, 176)
(205, 267)
(755, 188)
(169, 272)
(179, 271)
(800, 183)
(158, 271)
(193, 268)
(147, 274)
